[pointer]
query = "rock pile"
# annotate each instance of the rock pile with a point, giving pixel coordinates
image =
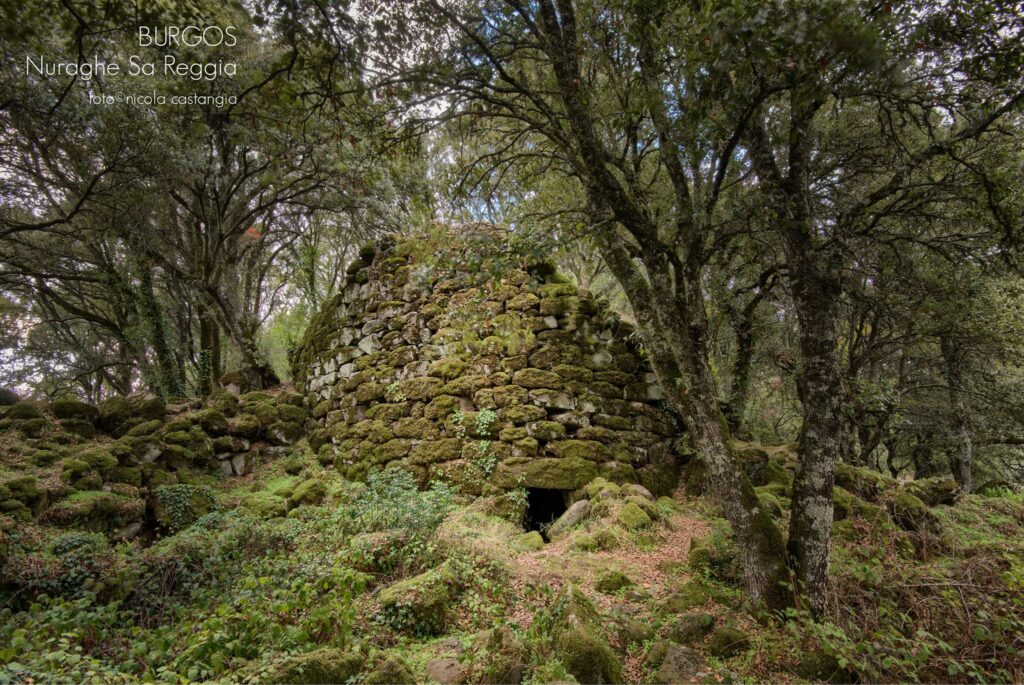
(425, 361)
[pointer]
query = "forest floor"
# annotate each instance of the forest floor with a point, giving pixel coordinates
(291, 574)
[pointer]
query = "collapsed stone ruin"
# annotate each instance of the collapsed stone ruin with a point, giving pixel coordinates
(491, 382)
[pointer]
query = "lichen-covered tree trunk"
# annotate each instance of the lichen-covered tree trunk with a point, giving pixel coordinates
(815, 294)
(673, 323)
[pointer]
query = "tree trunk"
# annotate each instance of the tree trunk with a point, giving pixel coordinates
(674, 329)
(254, 367)
(168, 376)
(209, 351)
(961, 458)
(815, 295)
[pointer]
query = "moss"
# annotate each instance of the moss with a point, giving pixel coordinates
(545, 430)
(691, 628)
(265, 412)
(423, 388)
(585, 543)
(530, 542)
(934, 491)
(611, 581)
(98, 458)
(727, 641)
(284, 433)
(769, 503)
(24, 411)
(911, 514)
(113, 412)
(419, 604)
(391, 671)
(556, 474)
(390, 412)
(579, 449)
(79, 427)
(244, 425)
(145, 428)
(434, 451)
(632, 517)
(691, 595)
(324, 665)
(537, 378)
(70, 408)
(521, 414)
(310, 491)
(422, 428)
(606, 538)
(580, 644)
(264, 505)
(224, 402)
(863, 482)
(213, 421)
(447, 368)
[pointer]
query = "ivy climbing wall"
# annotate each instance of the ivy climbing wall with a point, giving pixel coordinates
(489, 380)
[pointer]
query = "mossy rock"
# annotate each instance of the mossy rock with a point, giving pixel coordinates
(244, 425)
(611, 581)
(289, 412)
(692, 594)
(391, 671)
(264, 505)
(98, 458)
(284, 433)
(632, 517)
(585, 542)
(213, 421)
(96, 511)
(727, 641)
(80, 427)
(70, 408)
(145, 428)
(265, 412)
(311, 491)
(818, 666)
(224, 402)
(419, 605)
(24, 411)
(934, 491)
(863, 482)
(911, 514)
(147, 407)
(529, 542)
(580, 643)
(554, 474)
(694, 477)
(775, 471)
(324, 665)
(770, 504)
(691, 628)
(175, 507)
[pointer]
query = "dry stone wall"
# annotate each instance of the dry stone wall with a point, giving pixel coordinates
(486, 382)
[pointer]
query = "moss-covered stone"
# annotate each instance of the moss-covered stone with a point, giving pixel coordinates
(324, 665)
(691, 628)
(935, 491)
(632, 517)
(391, 671)
(611, 581)
(530, 542)
(727, 641)
(580, 643)
(420, 604)
(70, 408)
(311, 491)
(863, 482)
(692, 594)
(552, 473)
(434, 451)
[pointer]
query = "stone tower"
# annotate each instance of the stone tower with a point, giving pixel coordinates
(446, 357)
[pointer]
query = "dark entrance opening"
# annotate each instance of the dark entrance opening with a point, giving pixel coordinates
(543, 507)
